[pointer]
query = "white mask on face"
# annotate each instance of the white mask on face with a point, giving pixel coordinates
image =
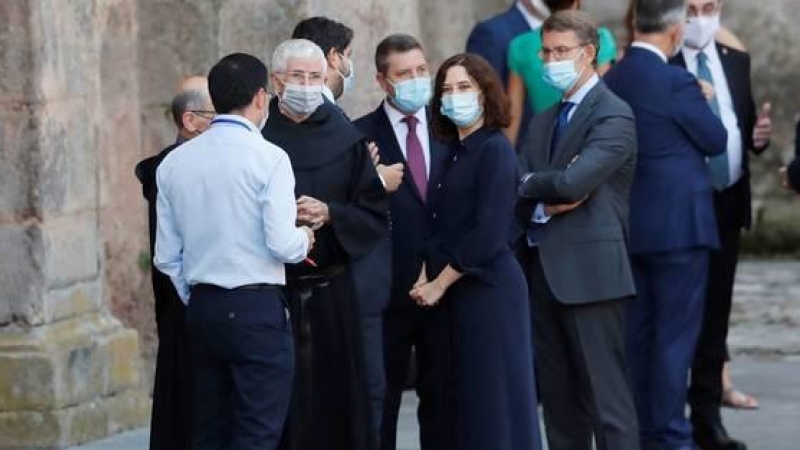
(700, 31)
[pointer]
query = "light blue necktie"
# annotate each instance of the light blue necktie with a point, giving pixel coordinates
(720, 173)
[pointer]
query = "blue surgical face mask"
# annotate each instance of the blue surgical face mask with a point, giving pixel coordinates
(411, 95)
(463, 108)
(562, 75)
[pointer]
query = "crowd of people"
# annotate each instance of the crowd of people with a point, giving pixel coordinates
(546, 219)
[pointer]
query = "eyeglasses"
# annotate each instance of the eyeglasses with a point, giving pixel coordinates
(205, 114)
(300, 77)
(560, 53)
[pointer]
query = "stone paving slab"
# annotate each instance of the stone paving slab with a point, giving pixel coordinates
(766, 309)
(776, 426)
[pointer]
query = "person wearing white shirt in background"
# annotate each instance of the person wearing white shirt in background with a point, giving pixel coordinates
(724, 73)
(226, 226)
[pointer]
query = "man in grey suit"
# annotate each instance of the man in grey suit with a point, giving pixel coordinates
(580, 157)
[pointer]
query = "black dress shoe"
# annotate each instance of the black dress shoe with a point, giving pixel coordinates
(715, 437)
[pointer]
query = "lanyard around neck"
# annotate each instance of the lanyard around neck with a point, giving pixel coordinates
(231, 121)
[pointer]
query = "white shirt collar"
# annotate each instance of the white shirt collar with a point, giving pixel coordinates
(581, 93)
(533, 21)
(690, 54)
(652, 48)
(328, 93)
(225, 119)
(396, 117)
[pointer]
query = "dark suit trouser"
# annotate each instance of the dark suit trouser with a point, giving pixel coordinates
(705, 392)
(663, 326)
(373, 281)
(581, 369)
(244, 364)
(424, 330)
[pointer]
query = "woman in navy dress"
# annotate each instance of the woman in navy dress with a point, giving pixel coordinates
(470, 267)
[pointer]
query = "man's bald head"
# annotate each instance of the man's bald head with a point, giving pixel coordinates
(192, 109)
(194, 83)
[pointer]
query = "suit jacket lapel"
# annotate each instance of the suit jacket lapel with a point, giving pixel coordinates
(584, 109)
(539, 156)
(394, 152)
(732, 76)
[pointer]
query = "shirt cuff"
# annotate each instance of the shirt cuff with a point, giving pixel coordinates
(525, 178)
(382, 180)
(539, 215)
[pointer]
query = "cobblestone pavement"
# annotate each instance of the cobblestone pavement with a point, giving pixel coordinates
(766, 309)
(765, 339)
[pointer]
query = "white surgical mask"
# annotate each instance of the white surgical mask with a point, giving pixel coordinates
(301, 99)
(699, 31)
(562, 75)
(463, 108)
(349, 80)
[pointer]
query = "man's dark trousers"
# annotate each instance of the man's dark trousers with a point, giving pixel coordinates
(244, 365)
(705, 391)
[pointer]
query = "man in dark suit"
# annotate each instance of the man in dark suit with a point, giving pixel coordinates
(725, 72)
(580, 161)
(171, 420)
(399, 127)
(672, 219)
(491, 37)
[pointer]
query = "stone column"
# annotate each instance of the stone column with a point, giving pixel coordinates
(69, 371)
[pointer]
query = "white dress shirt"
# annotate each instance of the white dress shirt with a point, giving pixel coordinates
(401, 131)
(532, 20)
(725, 102)
(226, 210)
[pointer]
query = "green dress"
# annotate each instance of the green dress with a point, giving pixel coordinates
(524, 61)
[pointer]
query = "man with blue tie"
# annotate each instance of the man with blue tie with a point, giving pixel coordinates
(399, 127)
(673, 228)
(580, 160)
(226, 226)
(725, 72)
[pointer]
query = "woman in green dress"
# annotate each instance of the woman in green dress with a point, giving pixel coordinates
(526, 69)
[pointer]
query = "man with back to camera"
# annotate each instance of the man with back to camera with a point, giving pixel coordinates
(673, 228)
(229, 264)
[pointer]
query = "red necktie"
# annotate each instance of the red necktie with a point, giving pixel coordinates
(415, 157)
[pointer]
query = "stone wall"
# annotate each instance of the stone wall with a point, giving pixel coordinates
(69, 371)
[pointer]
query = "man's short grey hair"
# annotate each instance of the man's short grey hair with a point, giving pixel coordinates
(186, 101)
(657, 16)
(296, 48)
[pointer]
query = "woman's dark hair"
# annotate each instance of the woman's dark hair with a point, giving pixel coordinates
(235, 80)
(495, 102)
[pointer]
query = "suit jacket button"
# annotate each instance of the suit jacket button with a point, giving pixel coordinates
(434, 215)
(231, 315)
(439, 186)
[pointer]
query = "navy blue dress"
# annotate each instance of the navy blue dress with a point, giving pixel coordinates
(471, 202)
